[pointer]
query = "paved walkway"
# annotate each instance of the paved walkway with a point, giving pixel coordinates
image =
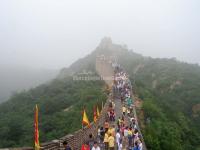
(116, 98)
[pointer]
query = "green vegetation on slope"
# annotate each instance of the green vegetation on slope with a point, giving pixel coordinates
(169, 102)
(169, 90)
(60, 104)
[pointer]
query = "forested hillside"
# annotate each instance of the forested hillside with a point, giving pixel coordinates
(170, 94)
(60, 102)
(169, 91)
(60, 105)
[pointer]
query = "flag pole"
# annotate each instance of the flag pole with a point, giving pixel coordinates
(36, 130)
(82, 116)
(102, 106)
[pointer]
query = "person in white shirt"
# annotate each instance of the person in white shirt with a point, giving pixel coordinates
(136, 135)
(120, 145)
(117, 136)
(140, 145)
(95, 147)
(126, 132)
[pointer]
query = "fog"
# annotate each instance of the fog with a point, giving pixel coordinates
(54, 33)
(17, 78)
(51, 34)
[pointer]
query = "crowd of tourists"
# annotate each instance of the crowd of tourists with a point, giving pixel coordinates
(126, 124)
(118, 133)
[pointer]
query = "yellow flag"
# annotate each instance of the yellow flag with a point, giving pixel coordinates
(85, 120)
(98, 112)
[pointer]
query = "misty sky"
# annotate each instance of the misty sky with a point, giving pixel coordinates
(54, 33)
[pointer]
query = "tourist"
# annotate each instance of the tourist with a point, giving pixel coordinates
(91, 141)
(120, 145)
(99, 134)
(102, 132)
(138, 145)
(85, 146)
(128, 112)
(117, 137)
(136, 135)
(124, 110)
(130, 136)
(95, 147)
(119, 123)
(106, 125)
(66, 146)
(106, 140)
(111, 142)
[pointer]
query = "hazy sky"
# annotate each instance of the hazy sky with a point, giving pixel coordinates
(54, 33)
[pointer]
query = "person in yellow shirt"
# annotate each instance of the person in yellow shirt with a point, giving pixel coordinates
(106, 140)
(130, 137)
(111, 142)
(113, 130)
(128, 112)
(124, 110)
(119, 121)
(109, 130)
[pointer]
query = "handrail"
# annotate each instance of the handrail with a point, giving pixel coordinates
(135, 116)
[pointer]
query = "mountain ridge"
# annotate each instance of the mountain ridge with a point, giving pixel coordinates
(169, 90)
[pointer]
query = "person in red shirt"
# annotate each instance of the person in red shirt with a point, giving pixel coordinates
(122, 129)
(85, 146)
